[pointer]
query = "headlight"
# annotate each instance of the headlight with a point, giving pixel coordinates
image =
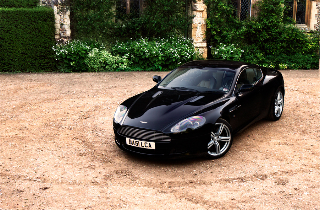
(120, 114)
(189, 123)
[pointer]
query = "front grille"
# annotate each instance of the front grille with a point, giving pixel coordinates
(143, 134)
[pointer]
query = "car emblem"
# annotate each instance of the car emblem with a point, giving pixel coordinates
(143, 122)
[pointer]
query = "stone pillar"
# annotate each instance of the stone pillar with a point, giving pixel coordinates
(317, 26)
(61, 10)
(199, 10)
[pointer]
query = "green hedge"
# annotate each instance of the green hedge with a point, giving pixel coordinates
(26, 39)
(133, 55)
(19, 3)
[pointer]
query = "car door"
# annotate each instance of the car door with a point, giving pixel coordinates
(248, 95)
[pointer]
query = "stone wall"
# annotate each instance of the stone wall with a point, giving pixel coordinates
(199, 10)
(199, 27)
(317, 27)
(61, 10)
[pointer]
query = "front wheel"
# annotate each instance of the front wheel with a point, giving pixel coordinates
(220, 139)
(277, 105)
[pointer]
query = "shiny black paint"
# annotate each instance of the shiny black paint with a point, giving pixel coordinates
(163, 109)
(160, 109)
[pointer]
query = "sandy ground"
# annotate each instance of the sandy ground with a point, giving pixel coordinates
(57, 151)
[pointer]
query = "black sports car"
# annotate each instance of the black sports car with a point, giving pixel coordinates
(198, 107)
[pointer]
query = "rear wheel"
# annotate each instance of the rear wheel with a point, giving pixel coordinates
(220, 139)
(277, 104)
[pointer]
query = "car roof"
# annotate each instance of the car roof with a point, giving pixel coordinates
(216, 64)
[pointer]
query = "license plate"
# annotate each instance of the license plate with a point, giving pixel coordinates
(141, 144)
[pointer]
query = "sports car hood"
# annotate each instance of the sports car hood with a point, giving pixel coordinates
(158, 108)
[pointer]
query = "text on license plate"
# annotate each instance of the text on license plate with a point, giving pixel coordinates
(141, 144)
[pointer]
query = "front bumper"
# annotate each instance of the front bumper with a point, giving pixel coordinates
(165, 144)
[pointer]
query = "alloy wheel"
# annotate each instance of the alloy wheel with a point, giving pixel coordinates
(278, 104)
(220, 140)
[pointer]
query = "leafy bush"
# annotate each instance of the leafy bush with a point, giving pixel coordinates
(71, 55)
(19, 3)
(222, 24)
(252, 54)
(80, 56)
(102, 60)
(142, 54)
(92, 19)
(272, 36)
(156, 54)
(26, 39)
(227, 52)
(267, 39)
(105, 20)
(272, 42)
(160, 18)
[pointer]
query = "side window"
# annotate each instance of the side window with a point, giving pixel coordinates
(258, 74)
(243, 80)
(249, 77)
(253, 75)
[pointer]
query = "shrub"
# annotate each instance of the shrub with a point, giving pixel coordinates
(160, 18)
(26, 39)
(227, 52)
(272, 36)
(71, 55)
(266, 40)
(80, 56)
(222, 24)
(272, 42)
(19, 3)
(102, 60)
(141, 54)
(92, 19)
(252, 54)
(105, 20)
(156, 54)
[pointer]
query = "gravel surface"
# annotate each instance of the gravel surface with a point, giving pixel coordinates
(57, 151)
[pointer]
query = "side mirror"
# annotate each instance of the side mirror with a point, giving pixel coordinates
(156, 78)
(245, 88)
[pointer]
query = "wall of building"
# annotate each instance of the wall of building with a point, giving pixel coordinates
(317, 15)
(199, 27)
(63, 32)
(61, 10)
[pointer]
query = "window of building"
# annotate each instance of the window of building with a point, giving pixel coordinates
(242, 8)
(245, 10)
(298, 10)
(128, 8)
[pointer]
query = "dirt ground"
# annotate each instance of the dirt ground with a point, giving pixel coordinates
(57, 151)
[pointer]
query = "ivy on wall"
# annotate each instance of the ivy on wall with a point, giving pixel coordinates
(262, 39)
(100, 20)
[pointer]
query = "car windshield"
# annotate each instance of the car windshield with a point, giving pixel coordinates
(199, 79)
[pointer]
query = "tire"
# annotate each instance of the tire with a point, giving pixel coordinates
(221, 138)
(277, 105)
